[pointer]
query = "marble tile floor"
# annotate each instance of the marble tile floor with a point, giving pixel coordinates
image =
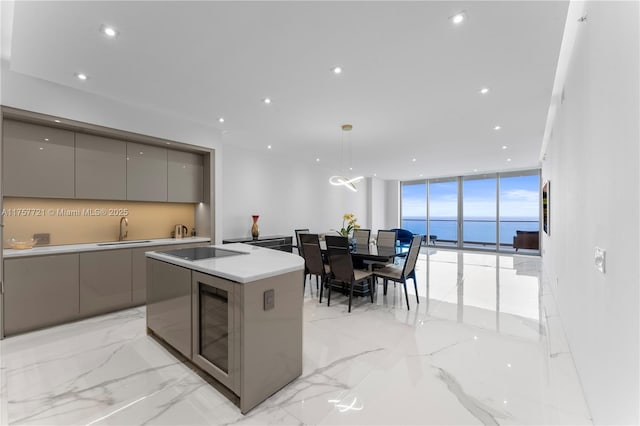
(484, 346)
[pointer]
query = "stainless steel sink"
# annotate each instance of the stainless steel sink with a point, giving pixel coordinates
(117, 243)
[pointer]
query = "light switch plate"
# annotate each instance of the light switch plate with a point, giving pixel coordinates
(600, 259)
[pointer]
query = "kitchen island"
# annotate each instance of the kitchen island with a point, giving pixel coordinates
(234, 311)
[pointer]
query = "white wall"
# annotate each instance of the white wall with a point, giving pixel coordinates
(378, 207)
(592, 162)
(392, 207)
(286, 195)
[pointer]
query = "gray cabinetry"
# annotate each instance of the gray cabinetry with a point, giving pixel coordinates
(38, 161)
(105, 281)
(101, 168)
(185, 171)
(146, 172)
(139, 269)
(169, 304)
(39, 292)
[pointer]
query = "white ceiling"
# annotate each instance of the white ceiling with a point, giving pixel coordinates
(410, 85)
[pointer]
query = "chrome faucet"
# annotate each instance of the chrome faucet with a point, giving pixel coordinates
(123, 233)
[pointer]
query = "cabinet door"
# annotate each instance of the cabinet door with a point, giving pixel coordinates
(101, 168)
(185, 177)
(38, 161)
(146, 173)
(105, 281)
(169, 304)
(40, 291)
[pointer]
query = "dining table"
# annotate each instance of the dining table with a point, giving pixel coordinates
(370, 254)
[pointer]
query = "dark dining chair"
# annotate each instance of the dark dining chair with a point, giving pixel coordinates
(298, 244)
(336, 241)
(313, 260)
(401, 275)
(342, 272)
(385, 238)
(300, 248)
(362, 236)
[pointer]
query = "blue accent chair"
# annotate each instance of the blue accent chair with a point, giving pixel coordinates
(404, 236)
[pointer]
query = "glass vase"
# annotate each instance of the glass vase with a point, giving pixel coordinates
(255, 232)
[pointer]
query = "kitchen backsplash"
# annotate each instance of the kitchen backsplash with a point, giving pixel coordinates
(87, 221)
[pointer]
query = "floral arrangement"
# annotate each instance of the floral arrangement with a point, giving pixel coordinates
(350, 220)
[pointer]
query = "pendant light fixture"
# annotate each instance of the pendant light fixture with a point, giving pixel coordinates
(339, 180)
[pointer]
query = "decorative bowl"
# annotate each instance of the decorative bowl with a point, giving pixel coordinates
(22, 245)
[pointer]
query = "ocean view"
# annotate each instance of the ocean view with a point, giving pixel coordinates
(476, 229)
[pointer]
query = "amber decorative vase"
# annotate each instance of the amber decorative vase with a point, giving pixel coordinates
(255, 232)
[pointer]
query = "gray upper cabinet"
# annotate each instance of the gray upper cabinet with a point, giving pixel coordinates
(101, 168)
(185, 171)
(38, 161)
(146, 172)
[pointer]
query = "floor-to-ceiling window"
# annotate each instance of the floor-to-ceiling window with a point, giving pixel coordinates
(479, 212)
(519, 204)
(414, 207)
(443, 211)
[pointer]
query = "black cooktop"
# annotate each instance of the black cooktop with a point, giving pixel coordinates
(199, 253)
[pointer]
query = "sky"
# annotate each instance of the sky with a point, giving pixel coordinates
(519, 197)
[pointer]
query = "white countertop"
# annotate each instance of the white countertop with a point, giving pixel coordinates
(77, 248)
(259, 264)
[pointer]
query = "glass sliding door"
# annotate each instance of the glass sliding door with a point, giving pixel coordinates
(520, 211)
(414, 207)
(479, 205)
(443, 212)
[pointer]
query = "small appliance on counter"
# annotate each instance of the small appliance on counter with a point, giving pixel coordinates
(181, 231)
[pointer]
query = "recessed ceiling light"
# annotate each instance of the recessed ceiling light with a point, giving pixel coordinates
(109, 31)
(375, 174)
(336, 70)
(81, 76)
(57, 121)
(41, 149)
(497, 127)
(266, 100)
(458, 18)
(317, 160)
(221, 120)
(504, 147)
(413, 159)
(141, 153)
(484, 90)
(46, 139)
(508, 160)
(268, 146)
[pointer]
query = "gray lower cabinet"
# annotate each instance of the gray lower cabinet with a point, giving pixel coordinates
(169, 304)
(101, 168)
(146, 172)
(105, 281)
(38, 161)
(185, 174)
(40, 292)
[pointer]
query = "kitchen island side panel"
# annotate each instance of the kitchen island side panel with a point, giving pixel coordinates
(169, 304)
(271, 352)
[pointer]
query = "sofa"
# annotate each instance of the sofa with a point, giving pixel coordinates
(526, 240)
